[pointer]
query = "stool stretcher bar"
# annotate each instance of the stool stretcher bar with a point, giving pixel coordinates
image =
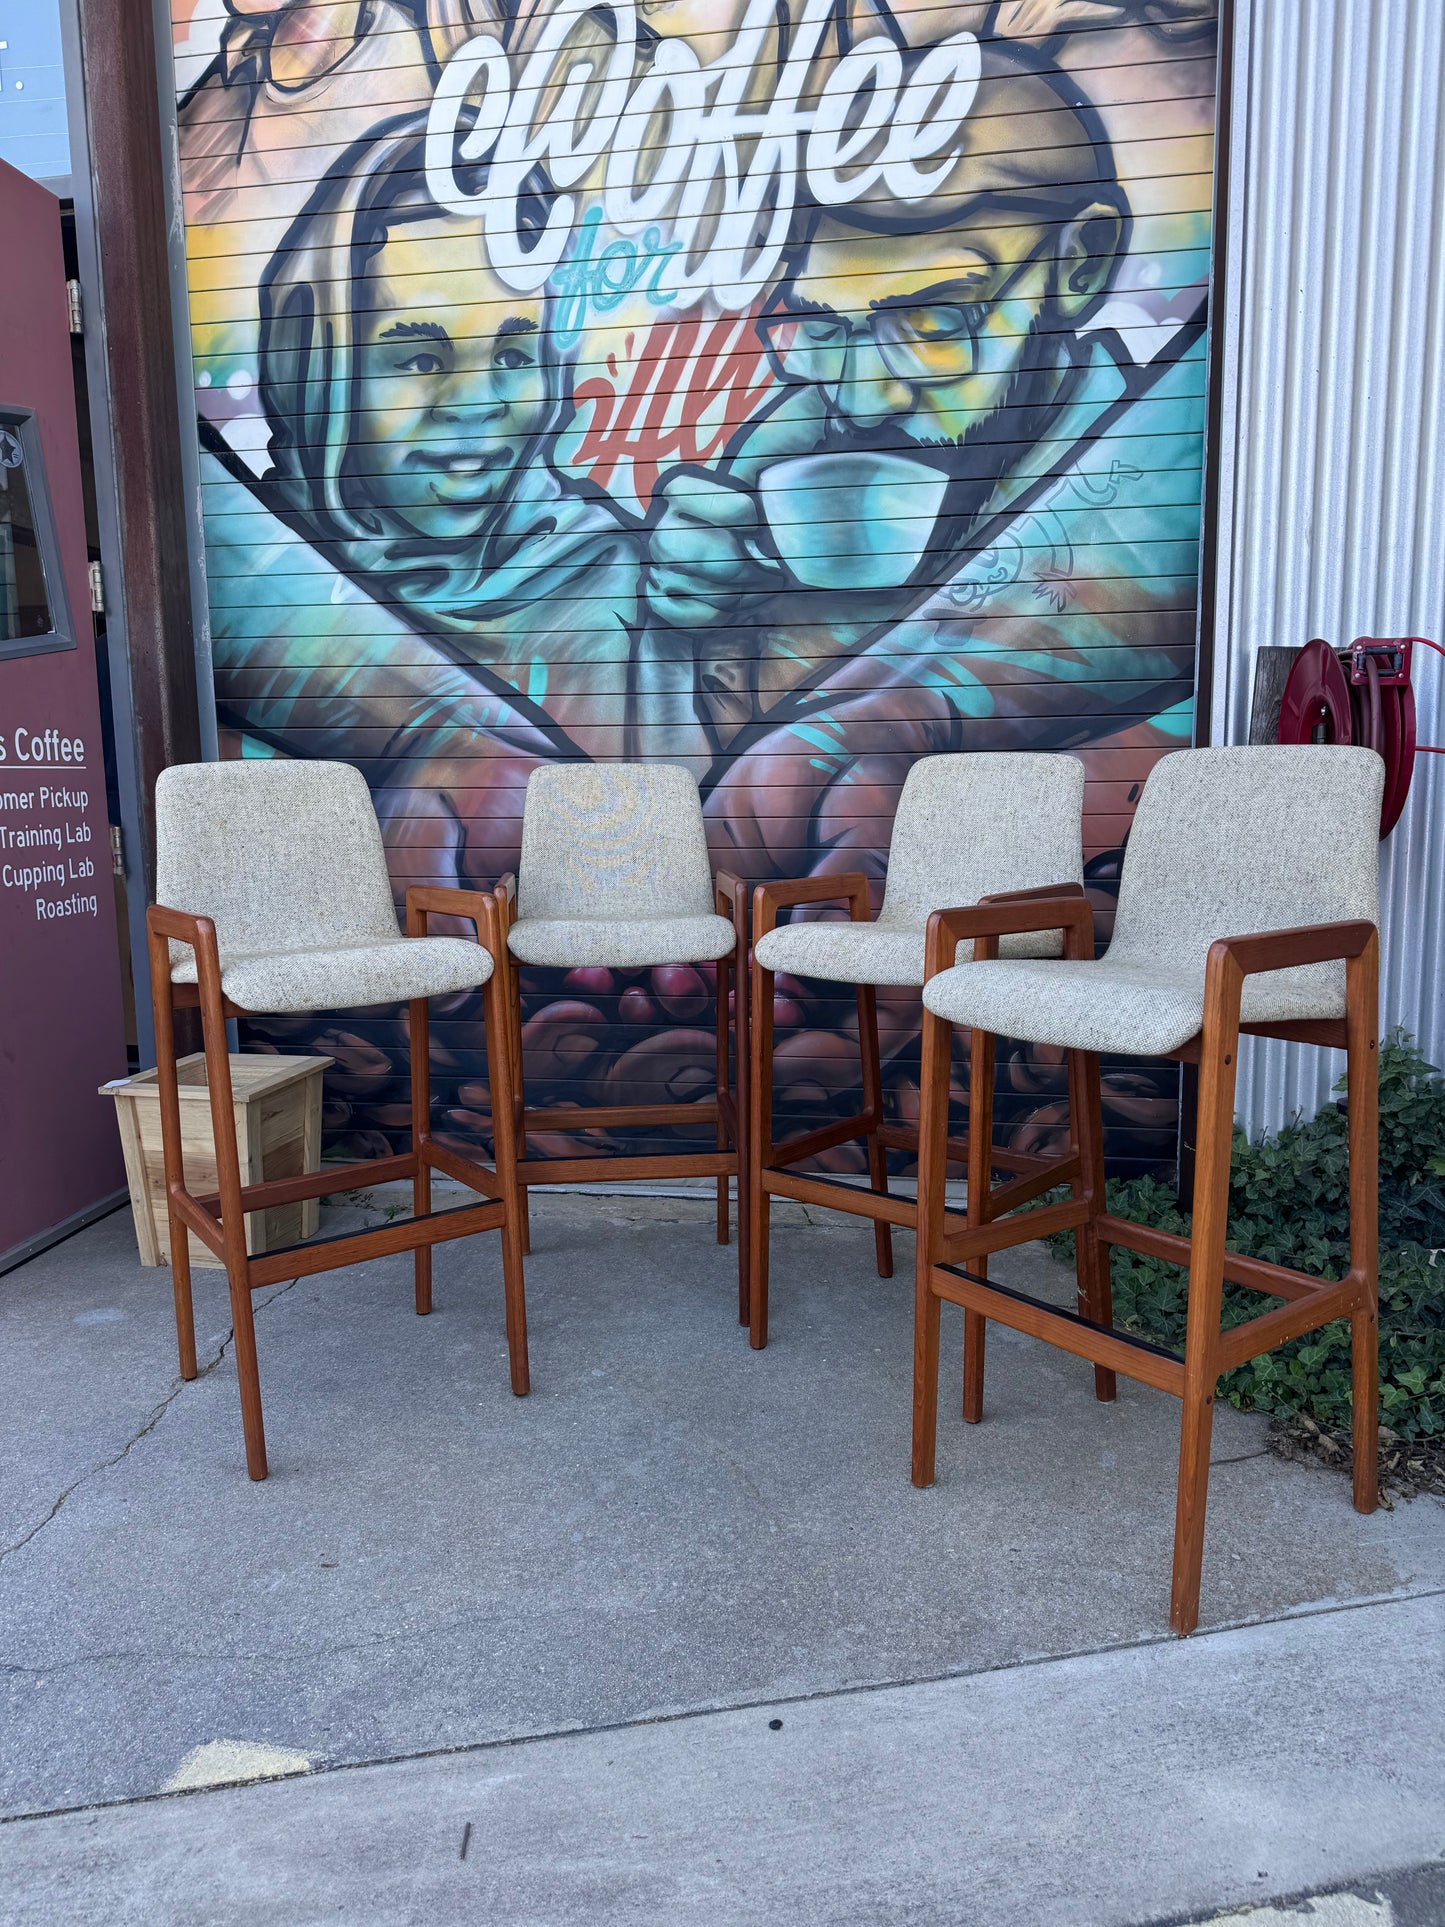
(1074, 1333)
(882, 1206)
(1071, 1331)
(613, 1117)
(352, 1247)
(700, 1164)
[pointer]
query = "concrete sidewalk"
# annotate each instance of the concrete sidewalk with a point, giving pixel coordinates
(673, 1542)
(1116, 1787)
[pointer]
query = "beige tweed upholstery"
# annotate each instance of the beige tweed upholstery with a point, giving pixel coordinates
(615, 870)
(966, 827)
(1226, 842)
(286, 859)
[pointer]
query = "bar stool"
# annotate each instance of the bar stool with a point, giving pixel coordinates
(966, 828)
(274, 899)
(615, 874)
(1248, 905)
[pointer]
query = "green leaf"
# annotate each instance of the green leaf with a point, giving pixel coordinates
(1289, 1203)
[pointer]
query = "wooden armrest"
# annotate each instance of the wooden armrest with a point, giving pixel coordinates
(477, 907)
(164, 926)
(1280, 949)
(181, 925)
(769, 898)
(1040, 890)
(1232, 959)
(984, 923)
(730, 899)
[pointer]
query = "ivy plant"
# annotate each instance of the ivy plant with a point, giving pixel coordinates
(1289, 1203)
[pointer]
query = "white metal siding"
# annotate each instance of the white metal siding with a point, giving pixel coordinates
(1332, 472)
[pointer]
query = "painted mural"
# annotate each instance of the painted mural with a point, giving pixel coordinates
(783, 388)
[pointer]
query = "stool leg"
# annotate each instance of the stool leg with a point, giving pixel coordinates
(981, 1055)
(1091, 1255)
(975, 1342)
(173, 1163)
(873, 1105)
(724, 1039)
(932, 1175)
(1365, 1404)
(233, 1220)
(1220, 1047)
(760, 1138)
(742, 1110)
(1362, 1008)
(497, 1005)
(513, 1019)
(248, 1375)
(181, 1293)
(420, 1129)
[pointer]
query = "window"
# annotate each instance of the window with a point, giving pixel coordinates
(32, 606)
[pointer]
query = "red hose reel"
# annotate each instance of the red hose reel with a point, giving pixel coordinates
(1359, 695)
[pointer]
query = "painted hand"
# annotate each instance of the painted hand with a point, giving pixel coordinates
(705, 555)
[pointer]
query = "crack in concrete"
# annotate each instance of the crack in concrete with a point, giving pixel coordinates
(148, 1426)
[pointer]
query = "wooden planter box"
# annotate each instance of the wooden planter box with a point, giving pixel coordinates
(278, 1135)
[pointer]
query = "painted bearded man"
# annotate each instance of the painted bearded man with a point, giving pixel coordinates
(969, 518)
(942, 407)
(968, 521)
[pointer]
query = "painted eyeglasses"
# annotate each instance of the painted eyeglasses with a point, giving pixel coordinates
(935, 340)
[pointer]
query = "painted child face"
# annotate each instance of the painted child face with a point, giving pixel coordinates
(451, 387)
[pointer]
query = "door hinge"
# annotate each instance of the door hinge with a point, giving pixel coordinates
(97, 590)
(117, 850)
(72, 298)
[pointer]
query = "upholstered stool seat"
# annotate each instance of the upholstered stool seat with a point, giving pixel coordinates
(1119, 1009)
(1248, 903)
(615, 875)
(620, 943)
(885, 953)
(389, 972)
(275, 899)
(966, 827)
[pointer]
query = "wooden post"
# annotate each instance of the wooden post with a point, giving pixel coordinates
(153, 594)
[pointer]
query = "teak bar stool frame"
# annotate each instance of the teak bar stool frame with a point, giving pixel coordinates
(727, 1112)
(770, 1176)
(952, 1265)
(219, 1220)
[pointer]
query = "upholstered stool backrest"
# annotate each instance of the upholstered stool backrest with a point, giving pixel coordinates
(971, 826)
(613, 840)
(280, 855)
(1227, 842)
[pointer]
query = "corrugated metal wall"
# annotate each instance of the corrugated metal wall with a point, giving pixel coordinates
(1332, 509)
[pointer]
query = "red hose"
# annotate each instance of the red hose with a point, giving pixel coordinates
(1373, 704)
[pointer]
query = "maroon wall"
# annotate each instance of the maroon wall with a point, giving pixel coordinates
(60, 1000)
